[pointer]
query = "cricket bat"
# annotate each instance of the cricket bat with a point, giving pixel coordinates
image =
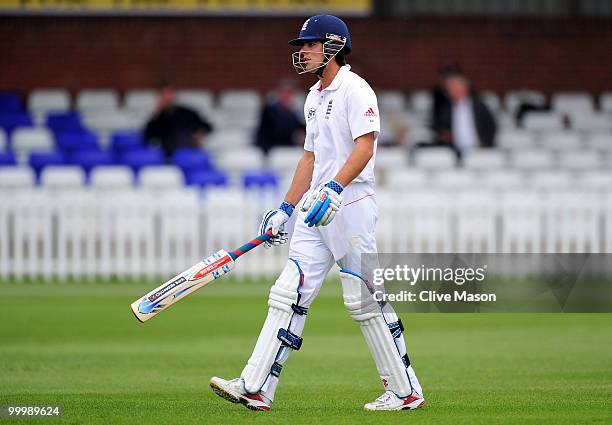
(192, 279)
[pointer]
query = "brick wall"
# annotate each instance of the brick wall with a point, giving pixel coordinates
(550, 55)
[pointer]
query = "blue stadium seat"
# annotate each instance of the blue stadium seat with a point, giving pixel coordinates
(80, 140)
(61, 122)
(124, 141)
(259, 179)
(189, 159)
(39, 160)
(205, 178)
(10, 121)
(7, 158)
(10, 102)
(92, 158)
(139, 158)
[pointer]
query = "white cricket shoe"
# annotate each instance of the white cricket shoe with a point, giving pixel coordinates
(390, 401)
(234, 391)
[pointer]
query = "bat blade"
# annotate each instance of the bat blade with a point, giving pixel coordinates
(181, 285)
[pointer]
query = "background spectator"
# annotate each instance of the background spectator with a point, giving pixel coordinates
(394, 131)
(280, 124)
(173, 126)
(460, 119)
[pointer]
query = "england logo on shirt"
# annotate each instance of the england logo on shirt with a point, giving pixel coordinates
(329, 109)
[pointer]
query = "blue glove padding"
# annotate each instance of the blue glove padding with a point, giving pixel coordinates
(322, 205)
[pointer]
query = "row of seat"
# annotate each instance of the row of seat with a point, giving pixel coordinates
(44, 100)
(25, 139)
(108, 121)
(101, 111)
(568, 102)
(500, 180)
(394, 159)
(491, 159)
(231, 130)
(556, 140)
(126, 150)
(120, 176)
(540, 121)
(172, 177)
(237, 113)
(40, 148)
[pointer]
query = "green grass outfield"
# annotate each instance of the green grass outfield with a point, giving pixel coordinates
(78, 345)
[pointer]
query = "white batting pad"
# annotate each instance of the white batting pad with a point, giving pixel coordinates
(281, 315)
(368, 314)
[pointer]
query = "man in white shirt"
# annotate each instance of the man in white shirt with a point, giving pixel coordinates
(463, 127)
(336, 221)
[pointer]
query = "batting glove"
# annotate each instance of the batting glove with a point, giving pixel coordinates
(275, 220)
(322, 205)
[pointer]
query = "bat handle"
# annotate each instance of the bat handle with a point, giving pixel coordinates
(250, 245)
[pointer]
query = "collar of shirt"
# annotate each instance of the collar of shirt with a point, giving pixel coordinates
(336, 81)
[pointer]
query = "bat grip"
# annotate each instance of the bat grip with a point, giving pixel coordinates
(250, 245)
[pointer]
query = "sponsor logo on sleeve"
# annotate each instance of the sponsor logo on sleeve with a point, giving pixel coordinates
(370, 113)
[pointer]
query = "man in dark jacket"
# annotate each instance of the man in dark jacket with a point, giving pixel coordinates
(460, 119)
(280, 125)
(173, 126)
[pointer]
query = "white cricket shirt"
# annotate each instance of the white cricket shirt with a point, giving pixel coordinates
(335, 117)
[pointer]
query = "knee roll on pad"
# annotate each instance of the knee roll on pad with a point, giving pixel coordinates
(358, 301)
(284, 293)
(282, 299)
(377, 333)
(281, 330)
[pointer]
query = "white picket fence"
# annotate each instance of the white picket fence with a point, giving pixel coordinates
(138, 233)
